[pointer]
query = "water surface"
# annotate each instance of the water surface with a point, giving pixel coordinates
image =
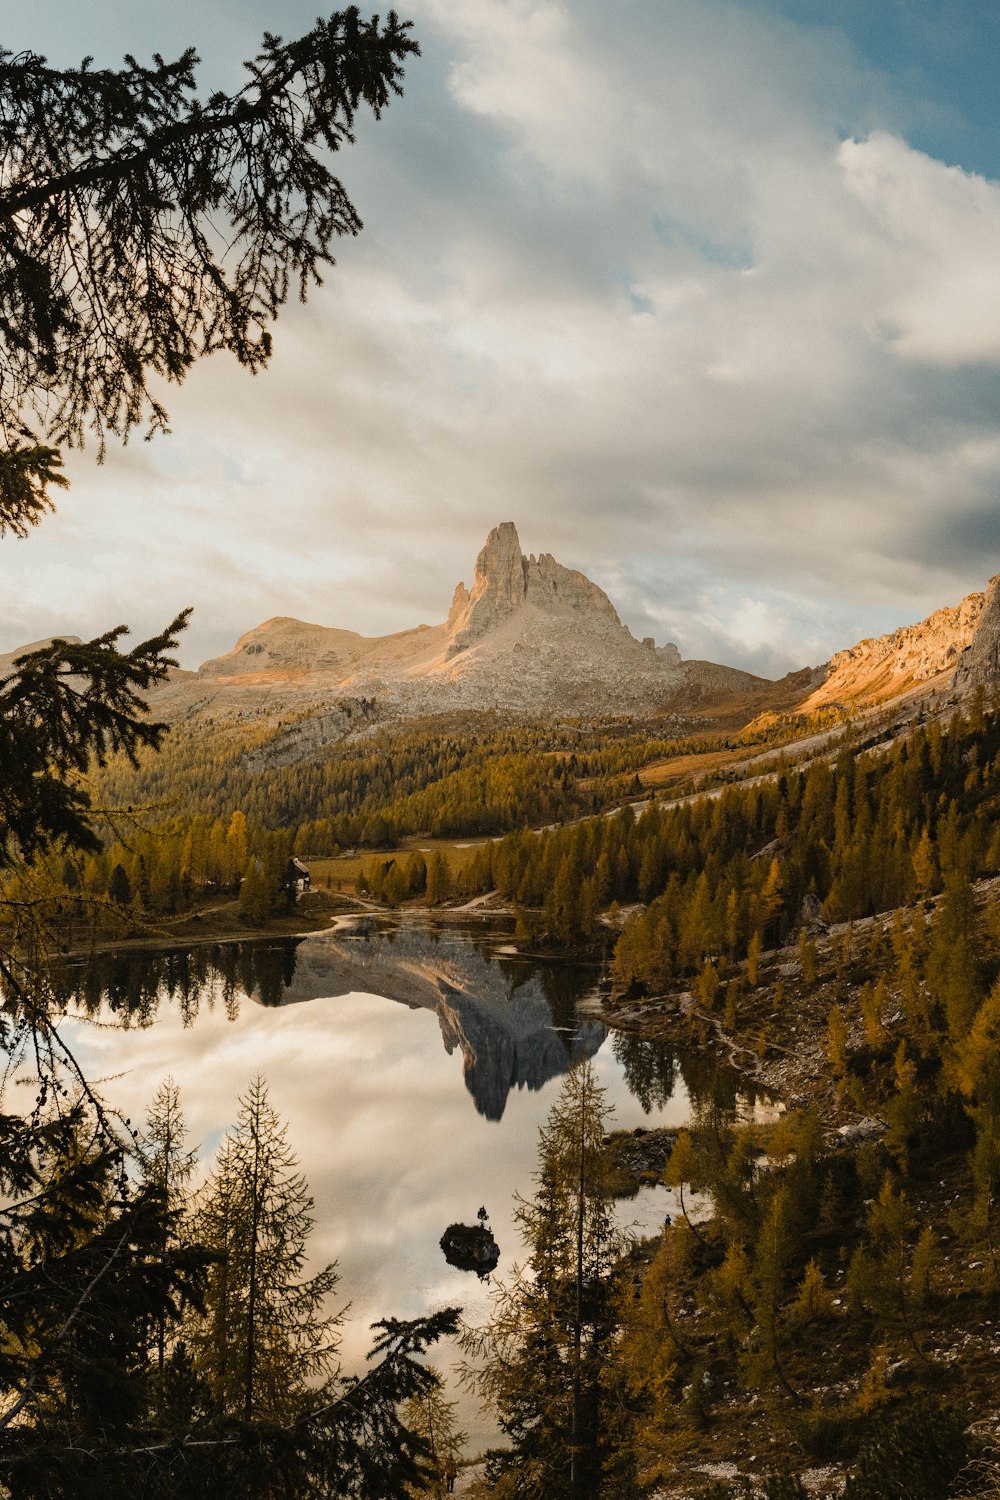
(413, 1066)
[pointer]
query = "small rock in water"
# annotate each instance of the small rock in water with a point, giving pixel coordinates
(470, 1247)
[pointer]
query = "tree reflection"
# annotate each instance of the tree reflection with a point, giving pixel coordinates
(134, 983)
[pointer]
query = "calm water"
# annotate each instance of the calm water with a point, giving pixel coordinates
(413, 1067)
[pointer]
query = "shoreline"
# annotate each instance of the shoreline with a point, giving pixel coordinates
(201, 934)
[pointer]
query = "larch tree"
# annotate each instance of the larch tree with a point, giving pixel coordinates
(268, 1340)
(166, 1167)
(434, 1417)
(539, 1362)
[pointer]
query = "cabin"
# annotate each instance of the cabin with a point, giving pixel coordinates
(296, 878)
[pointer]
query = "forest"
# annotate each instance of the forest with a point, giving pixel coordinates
(826, 1285)
(457, 778)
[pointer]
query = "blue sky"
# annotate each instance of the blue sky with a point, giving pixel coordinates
(941, 54)
(705, 295)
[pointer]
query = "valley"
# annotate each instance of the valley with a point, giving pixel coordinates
(795, 883)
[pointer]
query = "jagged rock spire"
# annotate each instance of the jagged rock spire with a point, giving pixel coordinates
(505, 580)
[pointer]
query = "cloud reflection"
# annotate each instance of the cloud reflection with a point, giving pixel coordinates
(384, 1111)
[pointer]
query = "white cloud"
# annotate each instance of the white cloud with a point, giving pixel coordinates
(938, 229)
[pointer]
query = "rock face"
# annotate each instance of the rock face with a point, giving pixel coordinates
(505, 580)
(530, 637)
(979, 664)
(954, 649)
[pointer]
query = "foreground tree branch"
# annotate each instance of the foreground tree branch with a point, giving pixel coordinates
(141, 228)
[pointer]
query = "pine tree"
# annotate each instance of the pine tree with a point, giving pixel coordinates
(166, 1168)
(119, 886)
(773, 1252)
(881, 1274)
(753, 958)
(438, 879)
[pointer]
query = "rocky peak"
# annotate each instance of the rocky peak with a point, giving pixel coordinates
(505, 580)
(499, 584)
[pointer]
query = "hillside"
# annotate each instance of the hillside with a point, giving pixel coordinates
(954, 649)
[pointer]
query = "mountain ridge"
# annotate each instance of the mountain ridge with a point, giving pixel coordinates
(532, 638)
(529, 636)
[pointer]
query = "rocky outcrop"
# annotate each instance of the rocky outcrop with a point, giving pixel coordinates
(979, 664)
(499, 585)
(707, 679)
(950, 646)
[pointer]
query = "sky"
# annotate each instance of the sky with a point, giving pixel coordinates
(703, 294)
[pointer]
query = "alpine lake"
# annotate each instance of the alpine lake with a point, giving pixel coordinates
(413, 1063)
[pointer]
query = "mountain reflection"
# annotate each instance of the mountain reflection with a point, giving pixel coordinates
(512, 1020)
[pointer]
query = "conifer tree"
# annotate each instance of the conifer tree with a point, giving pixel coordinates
(268, 1337)
(166, 1167)
(553, 1325)
(880, 1276)
(142, 227)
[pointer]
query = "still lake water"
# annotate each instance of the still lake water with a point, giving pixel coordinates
(413, 1065)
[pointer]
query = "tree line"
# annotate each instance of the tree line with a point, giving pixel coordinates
(717, 876)
(458, 780)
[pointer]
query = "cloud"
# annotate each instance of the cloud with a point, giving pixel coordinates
(937, 228)
(666, 285)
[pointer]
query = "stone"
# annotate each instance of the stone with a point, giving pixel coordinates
(979, 664)
(860, 1131)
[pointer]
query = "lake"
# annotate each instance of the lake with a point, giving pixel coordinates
(413, 1064)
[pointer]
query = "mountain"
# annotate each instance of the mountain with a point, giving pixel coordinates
(530, 637)
(953, 651)
(534, 639)
(8, 658)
